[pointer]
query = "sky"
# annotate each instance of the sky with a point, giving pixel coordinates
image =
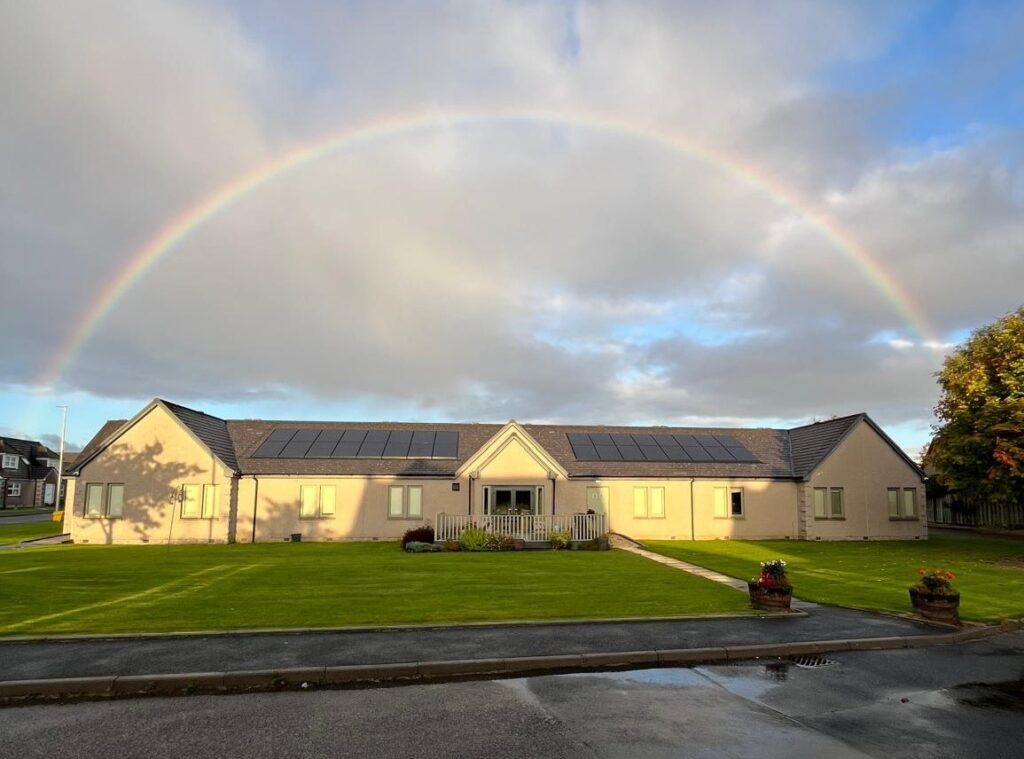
(719, 214)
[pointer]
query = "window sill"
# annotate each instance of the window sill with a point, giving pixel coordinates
(101, 516)
(197, 519)
(830, 519)
(659, 518)
(726, 518)
(316, 517)
(405, 519)
(903, 519)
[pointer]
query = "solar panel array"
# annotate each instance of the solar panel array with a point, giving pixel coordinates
(623, 446)
(289, 443)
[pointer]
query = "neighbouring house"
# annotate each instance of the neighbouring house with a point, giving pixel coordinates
(173, 474)
(28, 473)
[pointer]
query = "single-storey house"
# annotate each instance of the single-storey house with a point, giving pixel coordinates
(175, 475)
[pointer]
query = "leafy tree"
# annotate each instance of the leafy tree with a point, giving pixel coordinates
(978, 447)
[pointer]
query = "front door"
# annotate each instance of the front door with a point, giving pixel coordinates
(511, 500)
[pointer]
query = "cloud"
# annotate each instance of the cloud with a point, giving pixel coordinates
(495, 269)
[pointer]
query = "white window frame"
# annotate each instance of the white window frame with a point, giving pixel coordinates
(198, 500)
(902, 512)
(743, 503)
(99, 512)
(14, 489)
(827, 501)
(406, 495)
(832, 492)
(211, 499)
(645, 509)
(10, 461)
(324, 501)
(109, 509)
(820, 506)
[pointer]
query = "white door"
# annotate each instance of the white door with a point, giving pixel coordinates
(48, 493)
(597, 500)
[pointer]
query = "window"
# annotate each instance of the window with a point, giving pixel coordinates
(648, 503)
(597, 500)
(821, 503)
(836, 501)
(10, 461)
(736, 503)
(405, 502)
(115, 500)
(210, 495)
(94, 500)
(14, 489)
(829, 504)
(902, 503)
(721, 503)
(317, 501)
(189, 501)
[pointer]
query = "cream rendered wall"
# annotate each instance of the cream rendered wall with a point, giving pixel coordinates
(865, 466)
(152, 459)
(770, 510)
(514, 463)
(572, 498)
(361, 507)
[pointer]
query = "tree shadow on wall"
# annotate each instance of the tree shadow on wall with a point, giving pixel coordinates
(152, 491)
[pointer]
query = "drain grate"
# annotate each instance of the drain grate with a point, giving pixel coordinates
(811, 662)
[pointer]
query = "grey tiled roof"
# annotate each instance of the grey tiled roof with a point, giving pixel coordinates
(782, 454)
(813, 442)
(109, 428)
(212, 430)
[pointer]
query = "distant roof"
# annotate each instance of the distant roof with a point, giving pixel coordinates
(779, 453)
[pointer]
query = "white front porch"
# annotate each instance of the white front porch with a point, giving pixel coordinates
(532, 528)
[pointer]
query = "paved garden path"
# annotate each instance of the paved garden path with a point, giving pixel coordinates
(625, 544)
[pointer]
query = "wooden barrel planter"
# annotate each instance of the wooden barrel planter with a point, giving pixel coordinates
(938, 607)
(770, 597)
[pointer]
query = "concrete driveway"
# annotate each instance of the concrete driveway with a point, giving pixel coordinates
(950, 701)
(46, 516)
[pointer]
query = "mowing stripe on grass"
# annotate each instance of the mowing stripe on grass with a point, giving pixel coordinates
(115, 601)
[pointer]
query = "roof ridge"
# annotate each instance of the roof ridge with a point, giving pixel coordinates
(845, 417)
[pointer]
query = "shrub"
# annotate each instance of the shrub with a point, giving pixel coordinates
(421, 534)
(473, 539)
(497, 542)
(416, 546)
(559, 539)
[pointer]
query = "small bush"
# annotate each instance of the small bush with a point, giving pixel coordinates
(559, 539)
(422, 534)
(496, 542)
(415, 546)
(473, 539)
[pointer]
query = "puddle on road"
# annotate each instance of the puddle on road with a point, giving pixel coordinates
(1008, 696)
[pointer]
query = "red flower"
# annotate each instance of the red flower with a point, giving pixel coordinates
(922, 571)
(950, 576)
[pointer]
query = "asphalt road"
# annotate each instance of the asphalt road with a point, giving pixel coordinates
(950, 701)
(46, 516)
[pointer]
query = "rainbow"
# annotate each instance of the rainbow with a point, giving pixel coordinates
(178, 229)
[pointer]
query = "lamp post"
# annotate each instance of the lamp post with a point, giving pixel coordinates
(60, 458)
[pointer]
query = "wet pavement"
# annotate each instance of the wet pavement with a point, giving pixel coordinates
(948, 701)
(82, 658)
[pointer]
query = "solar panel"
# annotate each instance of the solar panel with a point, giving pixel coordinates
(422, 446)
(665, 441)
(271, 448)
(446, 444)
(329, 436)
(743, 455)
(601, 438)
(397, 445)
(354, 436)
(653, 453)
(579, 438)
(321, 449)
(347, 449)
(282, 433)
(631, 453)
(608, 453)
(305, 436)
(370, 450)
(685, 440)
(705, 440)
(585, 453)
(697, 453)
(675, 453)
(728, 441)
(718, 453)
(620, 439)
(296, 449)
(644, 440)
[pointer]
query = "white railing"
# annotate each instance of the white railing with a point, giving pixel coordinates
(529, 527)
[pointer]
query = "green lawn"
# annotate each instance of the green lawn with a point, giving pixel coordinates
(876, 575)
(12, 533)
(102, 589)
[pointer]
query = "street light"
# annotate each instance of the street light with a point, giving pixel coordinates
(60, 458)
